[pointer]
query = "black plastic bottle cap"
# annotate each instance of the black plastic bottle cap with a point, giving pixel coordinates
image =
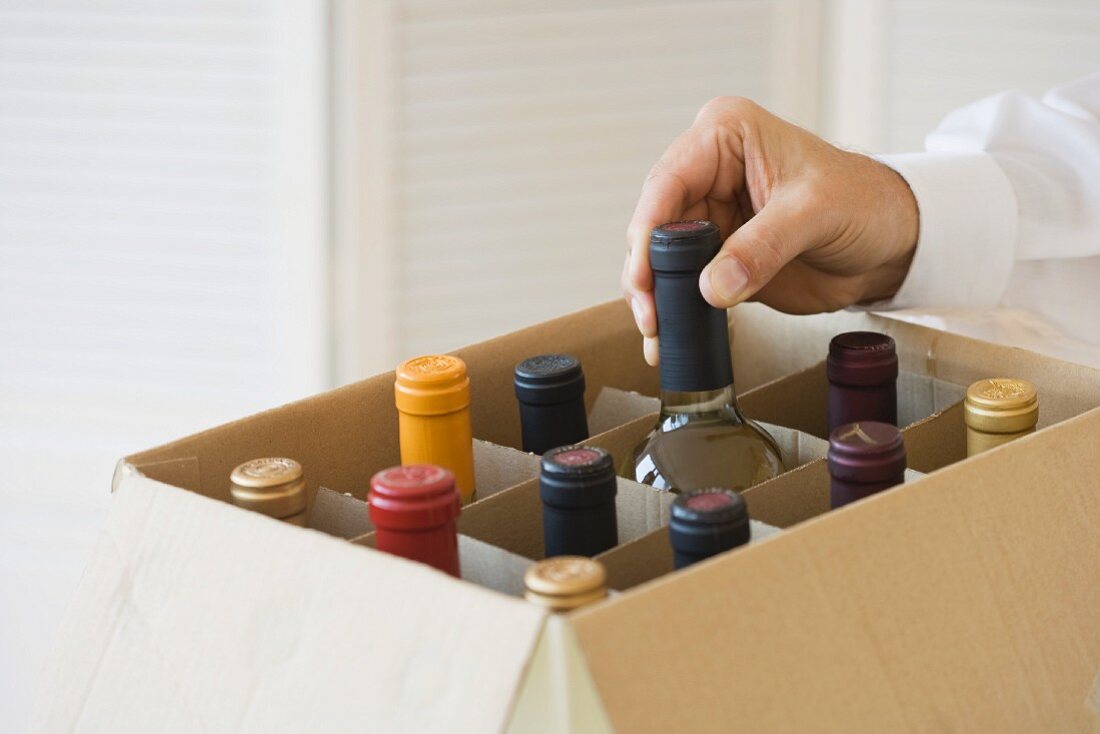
(679, 247)
(549, 379)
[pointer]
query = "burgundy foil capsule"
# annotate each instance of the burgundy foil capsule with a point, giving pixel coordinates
(415, 513)
(863, 375)
(864, 458)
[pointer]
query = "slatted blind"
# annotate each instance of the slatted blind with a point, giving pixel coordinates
(149, 271)
(524, 132)
(944, 54)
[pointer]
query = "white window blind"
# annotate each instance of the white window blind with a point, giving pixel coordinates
(899, 66)
(514, 140)
(161, 230)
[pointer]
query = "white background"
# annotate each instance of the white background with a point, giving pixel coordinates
(208, 208)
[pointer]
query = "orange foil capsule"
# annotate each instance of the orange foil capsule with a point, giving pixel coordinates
(433, 404)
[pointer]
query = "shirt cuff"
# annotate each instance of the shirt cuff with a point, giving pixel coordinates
(967, 243)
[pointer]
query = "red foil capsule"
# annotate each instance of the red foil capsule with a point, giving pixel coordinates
(864, 458)
(863, 373)
(415, 513)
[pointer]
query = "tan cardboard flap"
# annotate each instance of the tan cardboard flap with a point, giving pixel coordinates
(967, 600)
(194, 616)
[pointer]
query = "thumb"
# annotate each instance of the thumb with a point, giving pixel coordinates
(756, 252)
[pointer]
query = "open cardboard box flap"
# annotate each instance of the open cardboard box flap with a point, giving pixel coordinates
(196, 616)
(967, 600)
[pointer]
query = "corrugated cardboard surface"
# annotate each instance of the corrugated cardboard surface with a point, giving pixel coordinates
(196, 616)
(966, 601)
(969, 601)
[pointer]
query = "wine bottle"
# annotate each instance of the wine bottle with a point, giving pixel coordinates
(565, 583)
(415, 513)
(701, 439)
(433, 403)
(863, 371)
(550, 391)
(705, 522)
(997, 411)
(577, 485)
(864, 458)
(271, 486)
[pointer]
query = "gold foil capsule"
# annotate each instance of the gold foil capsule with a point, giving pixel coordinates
(563, 583)
(272, 486)
(998, 410)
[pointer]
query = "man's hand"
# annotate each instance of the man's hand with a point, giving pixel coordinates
(808, 227)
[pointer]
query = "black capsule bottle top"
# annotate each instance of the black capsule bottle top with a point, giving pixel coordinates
(679, 247)
(705, 522)
(577, 476)
(549, 379)
(694, 337)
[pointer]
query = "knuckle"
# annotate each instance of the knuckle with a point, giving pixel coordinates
(728, 106)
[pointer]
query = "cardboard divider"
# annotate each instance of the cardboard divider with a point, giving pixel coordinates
(512, 519)
(338, 514)
(481, 563)
(491, 567)
(799, 400)
(650, 556)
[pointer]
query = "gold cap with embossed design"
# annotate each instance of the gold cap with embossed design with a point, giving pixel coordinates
(1001, 405)
(272, 486)
(563, 583)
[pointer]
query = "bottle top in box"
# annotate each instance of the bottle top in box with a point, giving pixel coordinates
(565, 582)
(705, 522)
(577, 476)
(272, 486)
(432, 385)
(867, 451)
(549, 378)
(862, 358)
(1001, 405)
(415, 497)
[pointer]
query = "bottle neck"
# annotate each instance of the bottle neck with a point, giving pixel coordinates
(679, 407)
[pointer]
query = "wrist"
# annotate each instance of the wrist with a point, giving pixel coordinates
(897, 215)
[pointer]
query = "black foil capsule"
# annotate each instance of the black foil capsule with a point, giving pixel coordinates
(577, 486)
(550, 391)
(706, 522)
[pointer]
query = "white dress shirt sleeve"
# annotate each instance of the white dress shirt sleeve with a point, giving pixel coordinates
(1007, 179)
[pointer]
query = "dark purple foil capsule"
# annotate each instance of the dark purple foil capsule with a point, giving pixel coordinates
(863, 375)
(864, 458)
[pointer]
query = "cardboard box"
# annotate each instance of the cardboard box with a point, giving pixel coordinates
(967, 600)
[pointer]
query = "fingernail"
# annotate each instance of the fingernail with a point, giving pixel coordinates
(728, 278)
(637, 309)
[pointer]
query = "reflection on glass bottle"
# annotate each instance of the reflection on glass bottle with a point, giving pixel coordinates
(702, 439)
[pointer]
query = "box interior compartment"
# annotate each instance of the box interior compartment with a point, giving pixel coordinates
(840, 608)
